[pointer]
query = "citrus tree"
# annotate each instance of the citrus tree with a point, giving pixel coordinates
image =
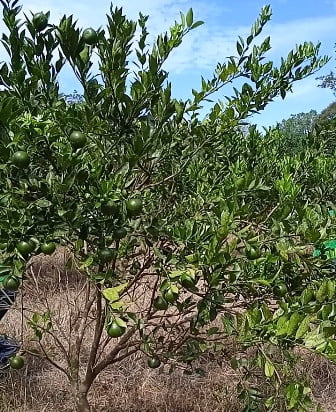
(173, 222)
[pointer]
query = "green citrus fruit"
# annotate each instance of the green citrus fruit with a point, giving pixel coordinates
(153, 362)
(11, 283)
(106, 254)
(110, 208)
(115, 331)
(40, 21)
(134, 206)
(93, 83)
(16, 362)
(21, 159)
(187, 281)
(170, 296)
(90, 36)
(77, 139)
(160, 303)
(119, 233)
(25, 247)
(280, 290)
(48, 248)
(252, 253)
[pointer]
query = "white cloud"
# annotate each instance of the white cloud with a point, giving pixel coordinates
(287, 35)
(206, 45)
(212, 44)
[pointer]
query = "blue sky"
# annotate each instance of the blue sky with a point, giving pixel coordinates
(293, 22)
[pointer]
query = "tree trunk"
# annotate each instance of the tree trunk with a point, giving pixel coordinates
(80, 391)
(82, 403)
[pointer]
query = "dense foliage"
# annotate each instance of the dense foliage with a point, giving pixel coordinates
(296, 129)
(217, 221)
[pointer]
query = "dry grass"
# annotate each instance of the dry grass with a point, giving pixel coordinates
(132, 387)
(322, 374)
(129, 386)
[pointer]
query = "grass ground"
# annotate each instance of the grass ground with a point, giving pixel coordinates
(131, 386)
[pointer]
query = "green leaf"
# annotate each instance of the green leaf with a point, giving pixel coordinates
(111, 294)
(87, 262)
(197, 24)
(322, 292)
(119, 305)
(326, 311)
(261, 282)
(174, 289)
(175, 274)
(293, 323)
(281, 326)
(120, 322)
(269, 368)
(329, 331)
(120, 288)
(313, 340)
(239, 48)
(303, 328)
(35, 318)
(189, 17)
(292, 395)
(61, 212)
(330, 289)
(307, 296)
(228, 325)
(192, 258)
(183, 20)
(5, 269)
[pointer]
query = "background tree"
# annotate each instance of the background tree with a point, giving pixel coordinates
(325, 127)
(328, 81)
(295, 131)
